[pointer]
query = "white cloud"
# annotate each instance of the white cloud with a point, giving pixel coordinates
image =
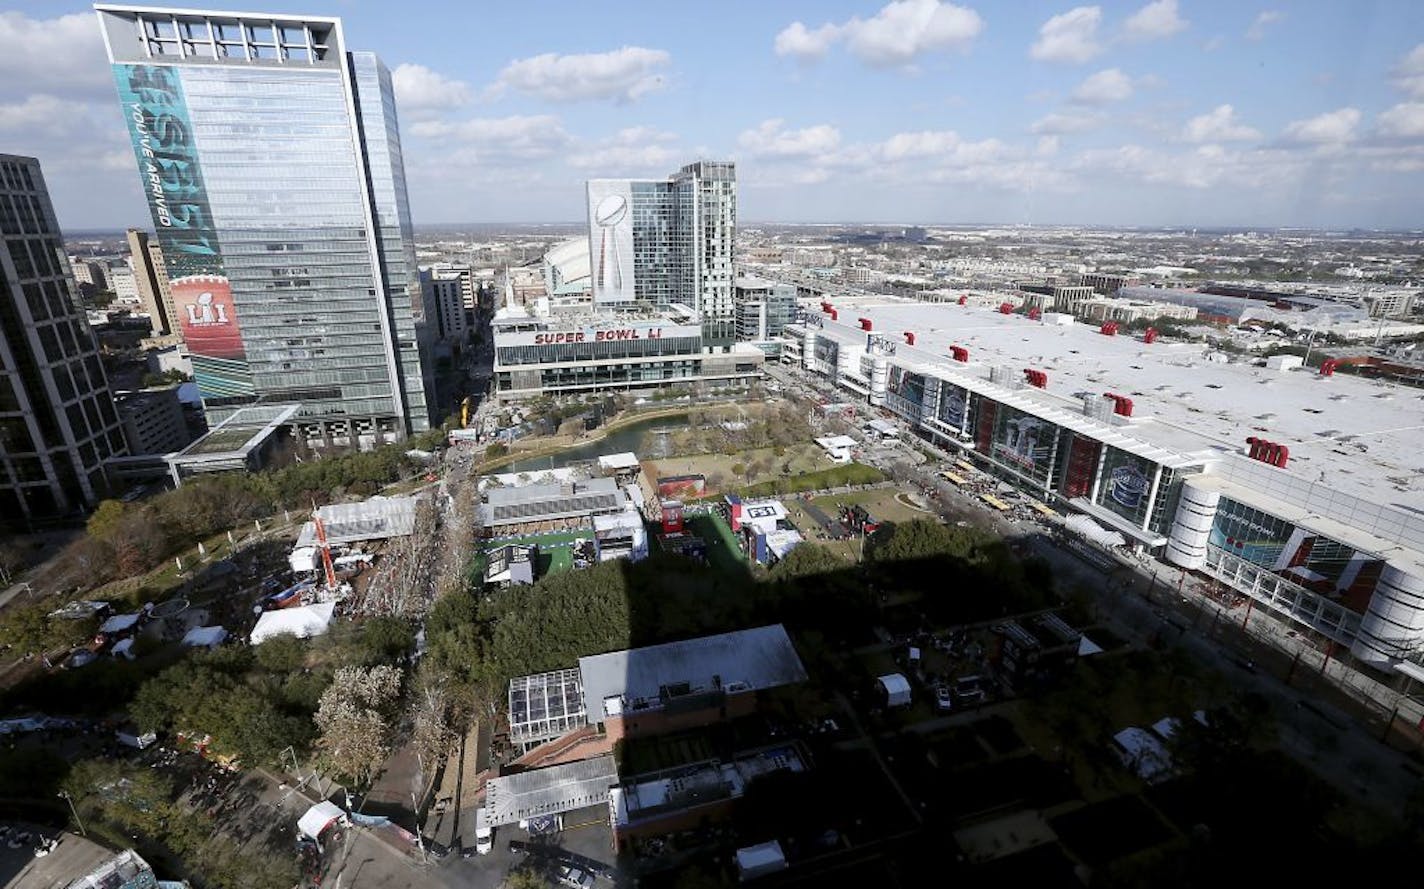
(1330, 128)
(803, 43)
(1408, 75)
(1262, 22)
(1104, 88)
(927, 143)
(420, 89)
(896, 35)
(771, 138)
(63, 55)
(1207, 166)
(1070, 37)
(1219, 125)
(1064, 124)
(1155, 20)
(622, 75)
(1403, 121)
(498, 140)
(43, 114)
(1214, 44)
(633, 149)
(1047, 146)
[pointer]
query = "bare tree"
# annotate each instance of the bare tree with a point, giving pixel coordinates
(354, 717)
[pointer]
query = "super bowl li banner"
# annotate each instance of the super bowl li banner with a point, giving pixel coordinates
(167, 155)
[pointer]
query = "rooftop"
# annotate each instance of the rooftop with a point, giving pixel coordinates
(1358, 436)
(549, 791)
(239, 434)
(374, 519)
(744, 660)
(504, 506)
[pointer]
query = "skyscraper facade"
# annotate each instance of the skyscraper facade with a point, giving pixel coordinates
(664, 242)
(271, 159)
(57, 419)
(151, 278)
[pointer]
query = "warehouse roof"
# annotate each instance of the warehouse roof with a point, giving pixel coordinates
(1354, 435)
(374, 519)
(550, 791)
(532, 503)
(745, 660)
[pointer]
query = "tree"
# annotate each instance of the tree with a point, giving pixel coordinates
(354, 718)
(386, 640)
(524, 878)
(431, 734)
(807, 560)
(105, 521)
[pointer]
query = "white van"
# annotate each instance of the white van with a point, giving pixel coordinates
(484, 834)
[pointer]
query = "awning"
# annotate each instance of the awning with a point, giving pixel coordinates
(1091, 530)
(318, 818)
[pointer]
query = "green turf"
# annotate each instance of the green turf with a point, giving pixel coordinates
(555, 555)
(722, 550)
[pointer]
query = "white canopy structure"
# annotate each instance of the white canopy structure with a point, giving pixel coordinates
(205, 637)
(318, 818)
(303, 622)
(120, 623)
(896, 688)
(1091, 530)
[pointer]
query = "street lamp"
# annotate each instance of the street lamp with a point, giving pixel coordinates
(69, 799)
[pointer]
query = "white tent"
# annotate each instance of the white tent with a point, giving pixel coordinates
(896, 688)
(123, 648)
(1087, 646)
(318, 818)
(303, 622)
(119, 623)
(1091, 530)
(205, 637)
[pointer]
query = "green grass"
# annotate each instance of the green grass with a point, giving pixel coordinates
(834, 477)
(722, 550)
(555, 554)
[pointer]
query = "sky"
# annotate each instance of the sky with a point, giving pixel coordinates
(1163, 113)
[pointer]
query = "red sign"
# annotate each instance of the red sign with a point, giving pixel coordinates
(207, 316)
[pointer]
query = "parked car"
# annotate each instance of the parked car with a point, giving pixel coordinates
(577, 878)
(942, 698)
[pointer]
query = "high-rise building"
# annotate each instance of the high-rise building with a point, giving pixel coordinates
(447, 294)
(666, 242)
(124, 283)
(271, 159)
(151, 276)
(57, 419)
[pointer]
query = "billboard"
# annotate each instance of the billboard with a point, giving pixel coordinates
(166, 151)
(953, 402)
(905, 392)
(688, 487)
(633, 332)
(827, 350)
(1126, 484)
(610, 240)
(1024, 440)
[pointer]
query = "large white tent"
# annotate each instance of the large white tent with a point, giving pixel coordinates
(303, 622)
(318, 818)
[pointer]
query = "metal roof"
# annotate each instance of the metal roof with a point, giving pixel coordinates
(532, 503)
(545, 705)
(374, 519)
(744, 660)
(550, 791)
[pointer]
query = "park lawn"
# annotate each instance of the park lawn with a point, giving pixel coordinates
(801, 458)
(881, 503)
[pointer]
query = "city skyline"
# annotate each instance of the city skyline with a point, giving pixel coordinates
(1132, 114)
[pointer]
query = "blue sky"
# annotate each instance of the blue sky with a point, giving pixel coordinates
(1173, 112)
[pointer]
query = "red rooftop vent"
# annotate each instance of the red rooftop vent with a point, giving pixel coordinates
(959, 353)
(909, 337)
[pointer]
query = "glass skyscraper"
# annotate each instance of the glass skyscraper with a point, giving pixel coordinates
(271, 159)
(663, 242)
(57, 420)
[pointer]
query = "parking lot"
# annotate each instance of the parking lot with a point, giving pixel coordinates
(586, 841)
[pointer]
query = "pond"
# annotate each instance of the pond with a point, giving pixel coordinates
(641, 437)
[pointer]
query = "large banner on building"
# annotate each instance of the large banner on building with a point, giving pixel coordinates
(632, 332)
(1024, 440)
(682, 487)
(953, 403)
(167, 155)
(610, 240)
(905, 392)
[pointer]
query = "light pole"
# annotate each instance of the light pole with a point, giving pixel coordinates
(75, 812)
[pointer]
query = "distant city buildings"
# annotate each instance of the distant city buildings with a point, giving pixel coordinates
(57, 420)
(282, 219)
